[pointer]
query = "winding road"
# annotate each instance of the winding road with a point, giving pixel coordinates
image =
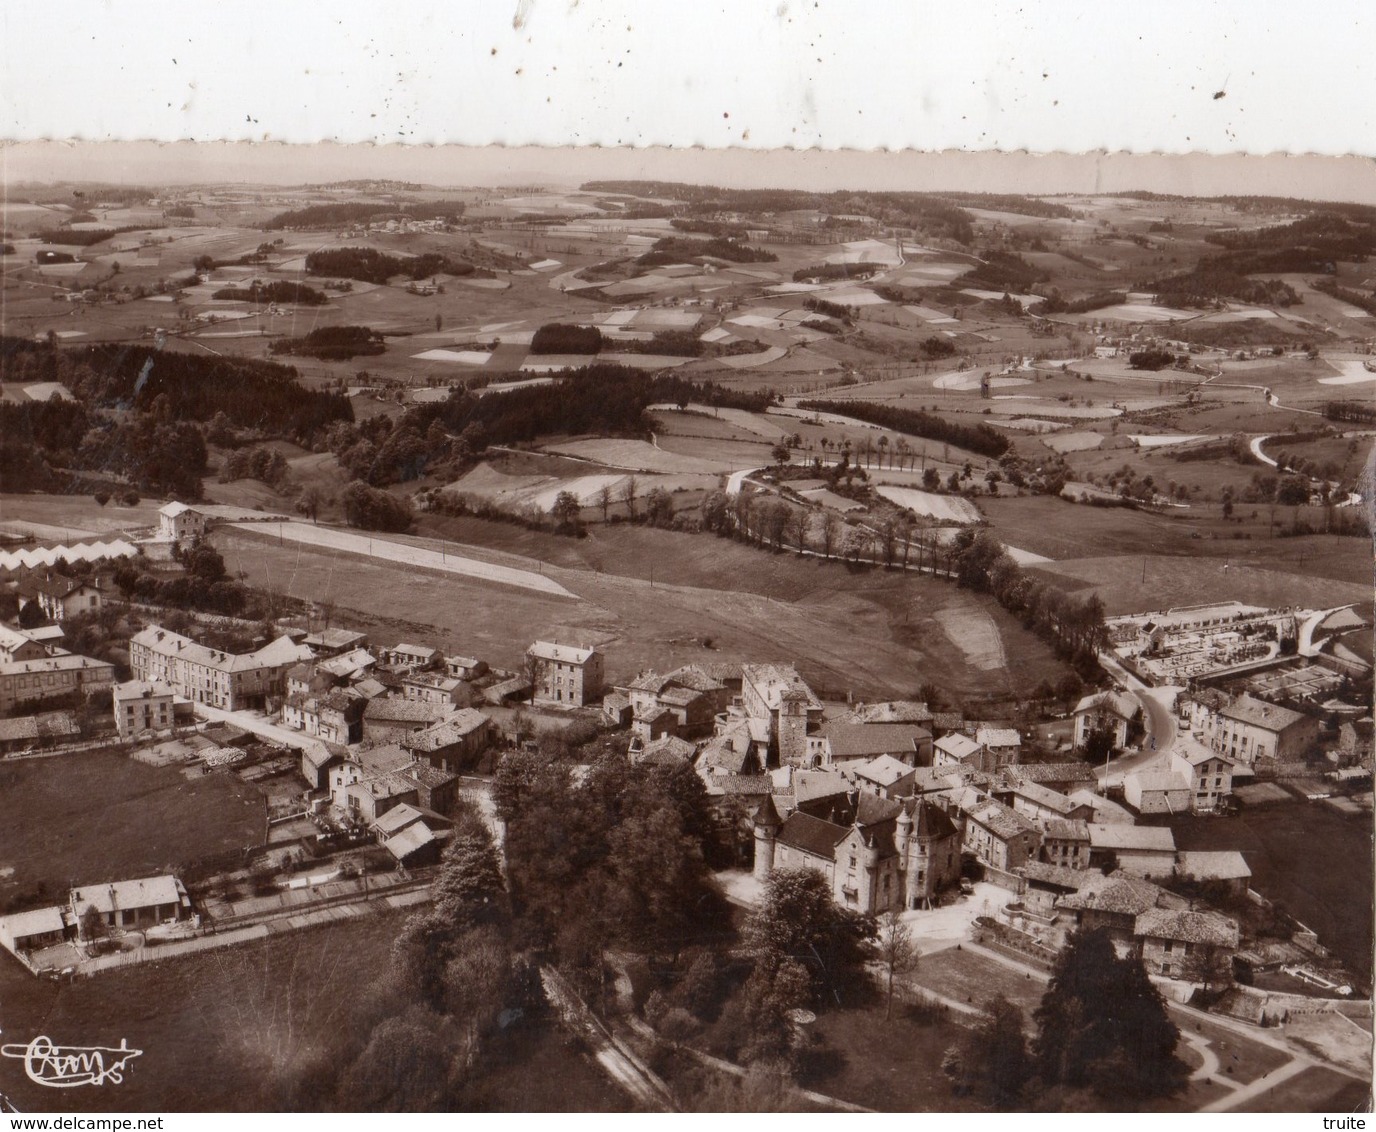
(1159, 719)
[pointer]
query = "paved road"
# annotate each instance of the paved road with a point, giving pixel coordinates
(1255, 445)
(1160, 720)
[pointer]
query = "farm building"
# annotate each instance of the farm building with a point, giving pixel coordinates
(1157, 792)
(1226, 866)
(326, 643)
(1177, 944)
(180, 524)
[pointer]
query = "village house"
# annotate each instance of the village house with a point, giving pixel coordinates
(180, 524)
(18, 646)
(565, 674)
(1064, 778)
(141, 707)
(387, 718)
(126, 904)
(778, 701)
(28, 732)
(23, 932)
(956, 749)
(1226, 868)
(667, 750)
(211, 676)
(60, 597)
(886, 776)
(408, 658)
(346, 667)
(336, 717)
(1208, 774)
(1184, 944)
(432, 688)
(684, 702)
(994, 833)
(1044, 886)
(52, 678)
(454, 742)
(847, 744)
(1157, 791)
(317, 760)
(465, 667)
(1248, 730)
(1003, 744)
(1142, 850)
(1066, 844)
(1039, 803)
(326, 643)
(1113, 903)
(1115, 711)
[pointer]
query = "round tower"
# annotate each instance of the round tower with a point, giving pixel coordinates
(767, 825)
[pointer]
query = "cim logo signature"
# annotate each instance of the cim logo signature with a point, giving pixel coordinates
(67, 1067)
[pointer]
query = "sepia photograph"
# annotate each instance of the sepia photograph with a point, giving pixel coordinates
(658, 630)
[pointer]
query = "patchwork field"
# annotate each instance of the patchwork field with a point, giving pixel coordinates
(639, 456)
(943, 508)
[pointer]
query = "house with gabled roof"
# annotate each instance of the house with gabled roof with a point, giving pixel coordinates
(1175, 942)
(1225, 867)
(179, 523)
(1248, 730)
(778, 701)
(1113, 902)
(957, 749)
(1143, 850)
(684, 702)
(1003, 744)
(453, 742)
(1209, 774)
(1114, 710)
(843, 744)
(886, 776)
(568, 675)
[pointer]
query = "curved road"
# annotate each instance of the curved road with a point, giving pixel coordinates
(1159, 719)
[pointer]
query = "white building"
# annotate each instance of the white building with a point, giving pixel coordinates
(566, 674)
(142, 706)
(180, 524)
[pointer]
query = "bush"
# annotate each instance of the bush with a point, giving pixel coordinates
(557, 338)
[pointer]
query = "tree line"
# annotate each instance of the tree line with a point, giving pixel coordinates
(334, 343)
(980, 438)
(345, 213)
(368, 265)
(277, 291)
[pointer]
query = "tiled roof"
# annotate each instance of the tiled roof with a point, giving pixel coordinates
(867, 740)
(1052, 772)
(1120, 893)
(883, 771)
(1257, 713)
(1116, 703)
(1055, 876)
(1153, 838)
(390, 709)
(812, 835)
(142, 893)
(930, 821)
(667, 750)
(999, 819)
(1221, 864)
(1060, 830)
(892, 711)
(959, 747)
(998, 737)
(1193, 927)
(741, 784)
(560, 654)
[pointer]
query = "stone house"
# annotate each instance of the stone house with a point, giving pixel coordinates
(1177, 944)
(180, 524)
(1209, 774)
(1157, 791)
(1114, 710)
(140, 706)
(454, 742)
(566, 674)
(1141, 850)
(837, 744)
(778, 700)
(1065, 844)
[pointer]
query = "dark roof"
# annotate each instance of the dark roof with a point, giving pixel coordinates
(866, 740)
(930, 821)
(768, 814)
(1052, 772)
(812, 835)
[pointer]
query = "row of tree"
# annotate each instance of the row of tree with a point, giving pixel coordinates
(979, 438)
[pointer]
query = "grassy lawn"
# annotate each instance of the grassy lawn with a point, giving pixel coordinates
(893, 1065)
(95, 816)
(968, 977)
(1239, 1059)
(1317, 1089)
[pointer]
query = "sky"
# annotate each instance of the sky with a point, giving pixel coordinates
(145, 163)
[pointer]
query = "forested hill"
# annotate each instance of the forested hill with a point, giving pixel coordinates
(602, 399)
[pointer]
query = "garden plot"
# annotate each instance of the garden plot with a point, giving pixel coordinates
(638, 456)
(375, 547)
(1074, 442)
(944, 508)
(824, 497)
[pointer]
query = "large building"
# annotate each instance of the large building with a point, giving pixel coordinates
(565, 674)
(877, 854)
(140, 707)
(1247, 730)
(235, 682)
(51, 678)
(179, 523)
